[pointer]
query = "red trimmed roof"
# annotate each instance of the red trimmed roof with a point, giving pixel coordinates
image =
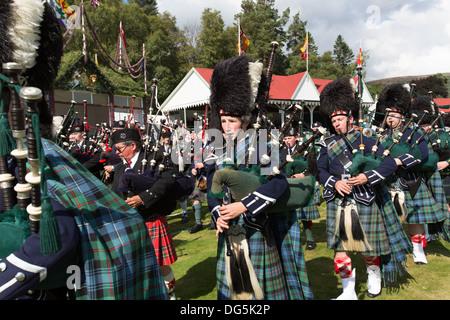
(205, 73)
(321, 83)
(443, 102)
(281, 88)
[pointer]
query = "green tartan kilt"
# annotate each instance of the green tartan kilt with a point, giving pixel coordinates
(446, 185)
(278, 260)
(371, 222)
(423, 208)
(308, 213)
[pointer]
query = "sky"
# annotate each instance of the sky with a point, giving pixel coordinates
(403, 38)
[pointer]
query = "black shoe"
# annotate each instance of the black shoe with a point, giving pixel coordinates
(196, 228)
(373, 295)
(310, 245)
(184, 219)
(211, 227)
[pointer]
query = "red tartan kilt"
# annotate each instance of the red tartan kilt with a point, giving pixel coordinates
(158, 229)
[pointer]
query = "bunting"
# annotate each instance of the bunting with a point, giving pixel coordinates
(95, 3)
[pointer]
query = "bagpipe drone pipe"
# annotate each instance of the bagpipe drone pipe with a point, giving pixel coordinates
(62, 137)
(26, 209)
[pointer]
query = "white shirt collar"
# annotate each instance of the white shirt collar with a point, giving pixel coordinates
(134, 159)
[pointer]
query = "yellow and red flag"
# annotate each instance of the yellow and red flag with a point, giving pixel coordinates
(244, 43)
(304, 48)
(359, 61)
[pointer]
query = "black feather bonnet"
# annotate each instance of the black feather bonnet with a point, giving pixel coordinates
(34, 41)
(238, 88)
(338, 98)
(395, 97)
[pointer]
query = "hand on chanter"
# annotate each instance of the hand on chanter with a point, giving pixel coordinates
(342, 187)
(359, 180)
(134, 201)
(441, 165)
(227, 213)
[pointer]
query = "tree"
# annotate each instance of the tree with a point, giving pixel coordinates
(263, 25)
(325, 67)
(150, 6)
(296, 36)
(188, 47)
(213, 42)
(436, 83)
(343, 55)
(162, 57)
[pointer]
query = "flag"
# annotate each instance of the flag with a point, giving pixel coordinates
(244, 43)
(304, 48)
(359, 61)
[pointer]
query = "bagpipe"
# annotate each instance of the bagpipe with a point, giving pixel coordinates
(136, 183)
(396, 148)
(62, 137)
(241, 183)
(439, 137)
(441, 144)
(27, 207)
(362, 161)
(304, 158)
(300, 191)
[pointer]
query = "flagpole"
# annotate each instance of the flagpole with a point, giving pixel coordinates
(120, 46)
(307, 52)
(239, 36)
(144, 62)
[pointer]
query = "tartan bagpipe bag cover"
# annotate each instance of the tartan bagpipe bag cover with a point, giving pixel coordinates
(118, 260)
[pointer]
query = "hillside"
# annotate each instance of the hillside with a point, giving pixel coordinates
(406, 79)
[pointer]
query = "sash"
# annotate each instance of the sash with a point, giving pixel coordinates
(335, 149)
(363, 194)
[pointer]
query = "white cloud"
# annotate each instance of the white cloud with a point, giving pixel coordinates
(412, 41)
(190, 11)
(403, 38)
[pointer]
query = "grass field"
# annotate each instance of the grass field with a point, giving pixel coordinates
(196, 279)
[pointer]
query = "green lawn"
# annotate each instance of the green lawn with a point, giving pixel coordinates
(196, 280)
